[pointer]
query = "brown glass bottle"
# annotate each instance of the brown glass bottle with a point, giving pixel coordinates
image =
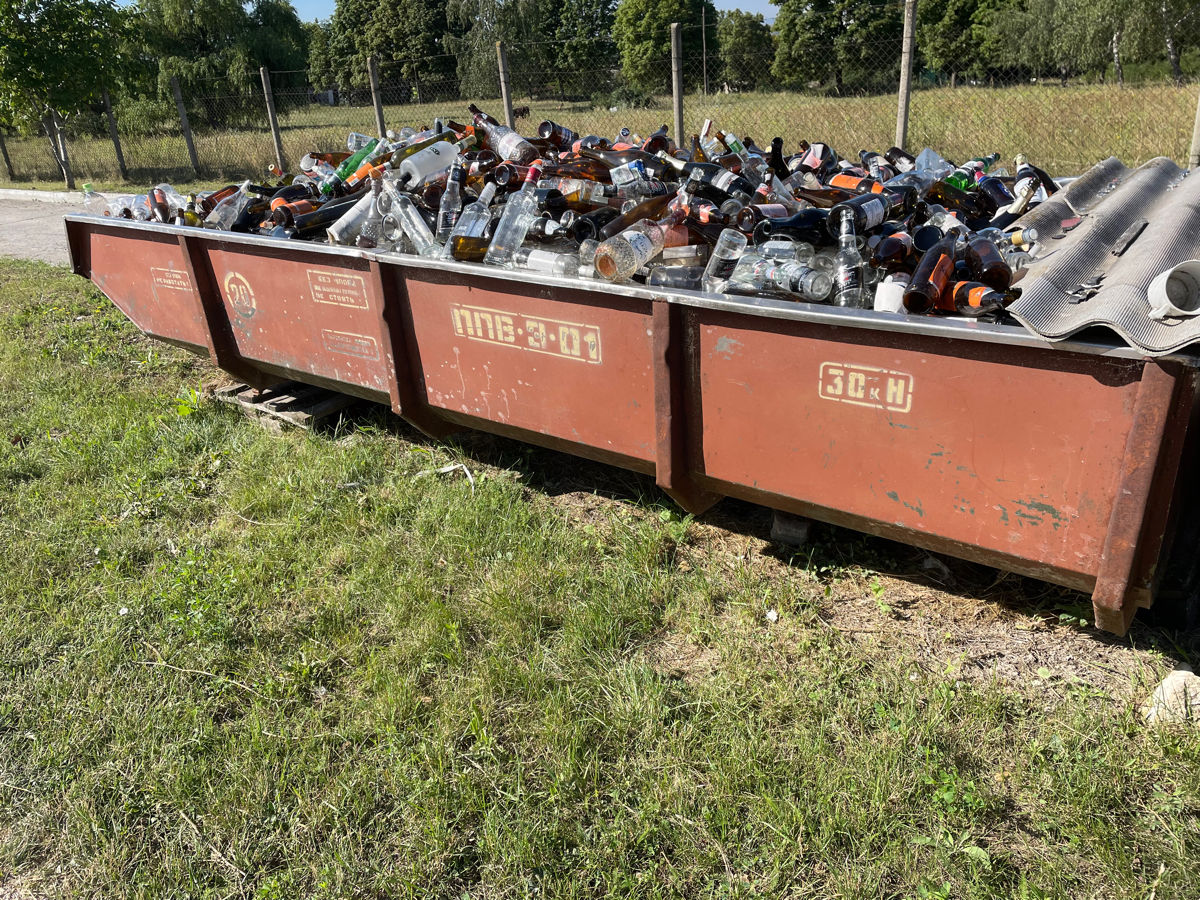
(559, 135)
(931, 278)
(894, 253)
(823, 198)
(285, 213)
(974, 299)
(859, 185)
(987, 264)
(947, 195)
(652, 209)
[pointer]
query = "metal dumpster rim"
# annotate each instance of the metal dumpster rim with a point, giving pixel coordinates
(768, 308)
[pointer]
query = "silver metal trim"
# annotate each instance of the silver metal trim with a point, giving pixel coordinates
(813, 313)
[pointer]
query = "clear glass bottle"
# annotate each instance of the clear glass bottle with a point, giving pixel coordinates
(724, 258)
(848, 283)
(519, 212)
(619, 257)
(451, 206)
(404, 219)
(506, 142)
(467, 236)
(755, 273)
(226, 212)
(548, 262)
(371, 234)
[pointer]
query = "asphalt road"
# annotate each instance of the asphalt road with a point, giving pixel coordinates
(33, 229)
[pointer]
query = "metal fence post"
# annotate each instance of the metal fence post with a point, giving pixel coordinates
(12, 176)
(677, 80)
(505, 93)
(906, 67)
(116, 138)
(269, 96)
(187, 129)
(376, 97)
(704, 43)
(1194, 153)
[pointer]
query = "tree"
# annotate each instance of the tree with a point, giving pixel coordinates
(642, 31)
(215, 48)
(747, 48)
(587, 50)
(853, 43)
(804, 40)
(406, 36)
(55, 57)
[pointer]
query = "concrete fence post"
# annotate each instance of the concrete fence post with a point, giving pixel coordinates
(272, 119)
(677, 80)
(906, 67)
(185, 126)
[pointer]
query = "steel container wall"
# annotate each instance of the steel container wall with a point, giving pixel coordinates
(1058, 461)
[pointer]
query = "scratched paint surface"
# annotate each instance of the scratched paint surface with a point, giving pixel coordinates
(148, 281)
(316, 318)
(1018, 453)
(576, 371)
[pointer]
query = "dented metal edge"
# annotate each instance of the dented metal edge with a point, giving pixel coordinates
(812, 313)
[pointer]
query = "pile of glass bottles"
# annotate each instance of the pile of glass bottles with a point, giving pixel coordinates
(887, 231)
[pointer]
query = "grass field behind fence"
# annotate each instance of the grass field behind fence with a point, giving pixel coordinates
(242, 664)
(1066, 130)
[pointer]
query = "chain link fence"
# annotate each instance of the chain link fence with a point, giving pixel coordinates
(758, 83)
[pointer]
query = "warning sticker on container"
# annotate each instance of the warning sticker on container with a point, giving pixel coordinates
(362, 346)
(338, 288)
(170, 280)
(569, 340)
(866, 386)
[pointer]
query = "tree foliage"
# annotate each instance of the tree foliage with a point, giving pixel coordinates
(746, 48)
(642, 31)
(215, 48)
(838, 45)
(57, 55)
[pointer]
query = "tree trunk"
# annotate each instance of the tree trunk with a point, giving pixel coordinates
(1172, 48)
(953, 79)
(1118, 71)
(51, 128)
(68, 174)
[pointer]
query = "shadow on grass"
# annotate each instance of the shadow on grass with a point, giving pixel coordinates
(829, 553)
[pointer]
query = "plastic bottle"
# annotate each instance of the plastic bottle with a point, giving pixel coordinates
(96, 204)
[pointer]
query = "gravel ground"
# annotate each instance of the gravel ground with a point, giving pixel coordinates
(33, 229)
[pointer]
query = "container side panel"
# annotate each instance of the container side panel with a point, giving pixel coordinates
(1013, 451)
(314, 315)
(146, 277)
(571, 365)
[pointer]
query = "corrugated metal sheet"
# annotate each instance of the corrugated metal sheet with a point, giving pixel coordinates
(1133, 224)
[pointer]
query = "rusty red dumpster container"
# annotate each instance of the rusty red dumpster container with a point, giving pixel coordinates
(1060, 461)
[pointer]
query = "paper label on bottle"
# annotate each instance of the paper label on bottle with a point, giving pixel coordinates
(724, 180)
(642, 245)
(849, 279)
(721, 267)
(873, 212)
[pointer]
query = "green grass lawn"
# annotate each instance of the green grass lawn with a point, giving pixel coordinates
(243, 664)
